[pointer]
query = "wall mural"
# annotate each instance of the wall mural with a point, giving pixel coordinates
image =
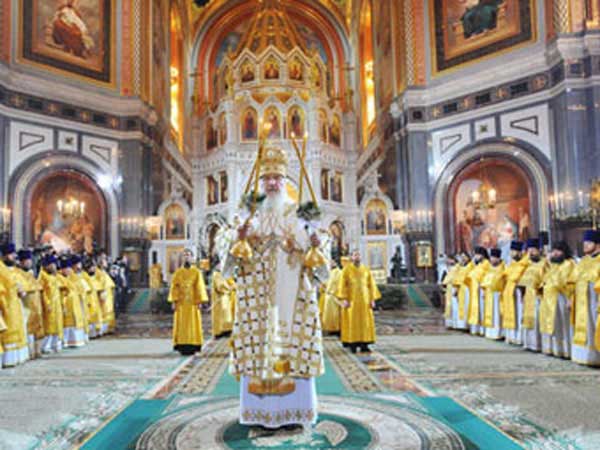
(376, 217)
(296, 121)
(249, 125)
(466, 30)
(73, 35)
(64, 231)
(159, 56)
(383, 49)
(481, 223)
(175, 222)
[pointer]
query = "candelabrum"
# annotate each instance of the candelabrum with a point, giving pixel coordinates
(133, 227)
(412, 221)
(566, 206)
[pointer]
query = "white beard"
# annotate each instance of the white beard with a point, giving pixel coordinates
(276, 203)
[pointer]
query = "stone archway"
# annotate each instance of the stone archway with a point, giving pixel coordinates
(23, 181)
(527, 189)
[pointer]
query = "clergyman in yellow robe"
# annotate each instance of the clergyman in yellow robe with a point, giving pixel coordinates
(85, 290)
(73, 324)
(358, 290)
(33, 303)
(223, 304)
(450, 303)
(492, 286)
(531, 282)
(329, 305)
(555, 324)
(512, 296)
(107, 304)
(461, 284)
(187, 292)
(585, 348)
(474, 279)
(14, 338)
(95, 298)
(52, 306)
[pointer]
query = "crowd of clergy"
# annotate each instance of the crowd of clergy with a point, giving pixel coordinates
(346, 303)
(52, 301)
(543, 301)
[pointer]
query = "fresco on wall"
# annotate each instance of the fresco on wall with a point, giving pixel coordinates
(249, 125)
(71, 35)
(470, 29)
(383, 49)
(376, 217)
(75, 232)
(476, 223)
(175, 222)
(159, 56)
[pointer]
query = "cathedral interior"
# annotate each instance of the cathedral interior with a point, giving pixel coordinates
(431, 130)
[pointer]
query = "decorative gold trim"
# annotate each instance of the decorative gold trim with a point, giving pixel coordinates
(112, 84)
(433, 51)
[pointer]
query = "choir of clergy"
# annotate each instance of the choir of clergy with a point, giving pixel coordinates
(60, 306)
(542, 303)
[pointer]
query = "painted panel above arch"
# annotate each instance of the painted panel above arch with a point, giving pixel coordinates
(103, 152)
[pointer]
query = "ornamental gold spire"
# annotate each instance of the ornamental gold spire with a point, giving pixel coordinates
(270, 25)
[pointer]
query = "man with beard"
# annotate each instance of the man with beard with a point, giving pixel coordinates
(187, 293)
(474, 279)
(14, 338)
(32, 302)
(52, 305)
(512, 297)
(95, 298)
(276, 337)
(555, 323)
(531, 283)
(462, 291)
(492, 286)
(73, 326)
(586, 334)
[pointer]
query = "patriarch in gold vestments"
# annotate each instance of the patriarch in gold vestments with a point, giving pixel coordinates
(186, 294)
(358, 290)
(585, 348)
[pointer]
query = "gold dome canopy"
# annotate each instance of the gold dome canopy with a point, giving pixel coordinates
(270, 26)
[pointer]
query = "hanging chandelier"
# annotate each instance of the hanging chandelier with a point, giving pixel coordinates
(70, 208)
(484, 197)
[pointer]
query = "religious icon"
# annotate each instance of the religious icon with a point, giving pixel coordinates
(212, 193)
(376, 217)
(223, 187)
(211, 138)
(323, 125)
(174, 258)
(376, 255)
(271, 69)
(334, 131)
(296, 121)
(296, 70)
(174, 222)
(247, 72)
(72, 35)
(325, 184)
(222, 129)
(249, 125)
(424, 256)
(272, 116)
(336, 187)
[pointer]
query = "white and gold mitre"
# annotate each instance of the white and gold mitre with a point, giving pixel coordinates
(274, 162)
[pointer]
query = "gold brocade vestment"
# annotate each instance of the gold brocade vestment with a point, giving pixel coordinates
(474, 279)
(584, 276)
(330, 308)
(187, 292)
(52, 304)
(33, 302)
(223, 303)
(514, 271)
(556, 282)
(14, 337)
(492, 283)
(532, 280)
(460, 281)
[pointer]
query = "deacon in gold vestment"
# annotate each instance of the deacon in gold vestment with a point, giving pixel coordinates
(329, 305)
(492, 286)
(358, 290)
(14, 338)
(52, 306)
(223, 304)
(585, 348)
(96, 297)
(276, 337)
(555, 323)
(512, 297)
(474, 279)
(461, 284)
(187, 293)
(79, 278)
(531, 283)
(73, 324)
(33, 303)
(107, 304)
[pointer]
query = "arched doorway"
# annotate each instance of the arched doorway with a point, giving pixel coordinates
(67, 210)
(491, 202)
